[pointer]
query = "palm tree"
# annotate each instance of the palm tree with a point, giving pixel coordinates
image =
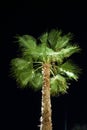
(45, 65)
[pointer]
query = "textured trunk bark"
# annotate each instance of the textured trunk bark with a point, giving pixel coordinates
(46, 123)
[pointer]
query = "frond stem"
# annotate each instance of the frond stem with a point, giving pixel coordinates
(38, 68)
(52, 72)
(38, 62)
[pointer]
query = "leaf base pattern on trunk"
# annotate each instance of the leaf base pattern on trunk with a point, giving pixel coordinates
(46, 123)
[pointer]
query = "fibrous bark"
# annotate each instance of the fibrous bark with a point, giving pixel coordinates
(46, 123)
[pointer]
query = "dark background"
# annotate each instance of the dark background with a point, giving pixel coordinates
(20, 109)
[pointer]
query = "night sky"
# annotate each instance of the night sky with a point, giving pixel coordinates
(20, 109)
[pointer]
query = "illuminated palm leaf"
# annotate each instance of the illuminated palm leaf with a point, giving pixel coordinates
(58, 85)
(37, 81)
(69, 69)
(68, 51)
(57, 40)
(22, 70)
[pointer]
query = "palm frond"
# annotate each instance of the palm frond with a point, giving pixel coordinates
(68, 51)
(40, 53)
(53, 37)
(35, 53)
(31, 54)
(36, 82)
(24, 78)
(58, 85)
(57, 40)
(21, 63)
(44, 37)
(27, 41)
(64, 53)
(44, 52)
(70, 69)
(22, 71)
(63, 41)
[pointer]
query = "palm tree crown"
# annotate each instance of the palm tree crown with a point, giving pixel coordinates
(54, 48)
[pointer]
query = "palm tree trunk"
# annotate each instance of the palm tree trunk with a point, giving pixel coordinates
(46, 123)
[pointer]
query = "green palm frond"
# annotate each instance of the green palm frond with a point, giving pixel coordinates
(45, 52)
(44, 37)
(36, 53)
(67, 52)
(22, 71)
(36, 82)
(58, 85)
(63, 41)
(24, 78)
(21, 63)
(57, 40)
(70, 69)
(53, 37)
(40, 53)
(31, 54)
(27, 42)
(62, 54)
(27, 72)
